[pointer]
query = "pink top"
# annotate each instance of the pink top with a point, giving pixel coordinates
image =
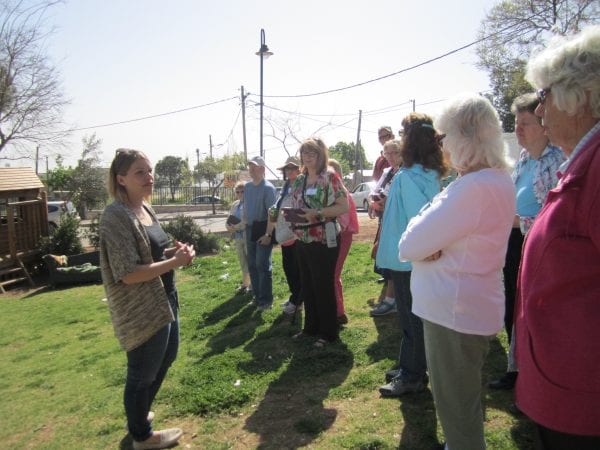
(349, 220)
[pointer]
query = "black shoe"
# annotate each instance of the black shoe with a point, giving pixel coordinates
(342, 320)
(441, 446)
(507, 382)
(514, 410)
(381, 280)
(391, 374)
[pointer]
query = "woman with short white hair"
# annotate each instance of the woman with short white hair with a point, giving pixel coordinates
(558, 308)
(457, 247)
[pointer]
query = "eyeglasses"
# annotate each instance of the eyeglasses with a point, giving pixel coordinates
(542, 94)
(309, 153)
(390, 153)
(239, 192)
(387, 137)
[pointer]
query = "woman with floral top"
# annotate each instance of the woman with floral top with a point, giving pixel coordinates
(321, 196)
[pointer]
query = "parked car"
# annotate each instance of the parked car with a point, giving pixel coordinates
(361, 193)
(205, 200)
(55, 209)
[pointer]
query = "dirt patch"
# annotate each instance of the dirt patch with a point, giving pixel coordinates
(367, 229)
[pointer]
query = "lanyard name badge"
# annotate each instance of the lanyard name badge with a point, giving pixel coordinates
(330, 230)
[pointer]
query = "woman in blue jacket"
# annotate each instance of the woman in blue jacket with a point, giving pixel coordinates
(415, 184)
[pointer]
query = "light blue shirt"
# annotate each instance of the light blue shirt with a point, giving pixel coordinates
(412, 188)
(257, 201)
(527, 204)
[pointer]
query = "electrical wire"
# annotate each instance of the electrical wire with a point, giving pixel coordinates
(152, 116)
(407, 69)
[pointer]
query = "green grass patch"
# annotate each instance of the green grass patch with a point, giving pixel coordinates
(240, 381)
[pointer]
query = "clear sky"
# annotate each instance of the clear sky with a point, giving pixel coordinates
(126, 59)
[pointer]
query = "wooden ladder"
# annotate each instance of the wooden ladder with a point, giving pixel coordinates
(14, 274)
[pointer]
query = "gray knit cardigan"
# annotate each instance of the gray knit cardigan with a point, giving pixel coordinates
(137, 310)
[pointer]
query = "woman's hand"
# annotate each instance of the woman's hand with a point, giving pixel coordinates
(229, 228)
(310, 214)
(184, 254)
(437, 255)
(265, 240)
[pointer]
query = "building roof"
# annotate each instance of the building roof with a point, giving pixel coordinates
(19, 179)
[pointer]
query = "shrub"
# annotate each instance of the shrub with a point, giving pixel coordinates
(92, 233)
(64, 239)
(184, 229)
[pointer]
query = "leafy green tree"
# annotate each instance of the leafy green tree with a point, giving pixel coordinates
(208, 169)
(345, 153)
(88, 186)
(512, 30)
(235, 161)
(61, 177)
(171, 171)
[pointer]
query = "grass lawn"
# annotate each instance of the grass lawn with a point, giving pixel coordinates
(239, 380)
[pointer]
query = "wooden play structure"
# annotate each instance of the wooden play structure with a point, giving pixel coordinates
(23, 222)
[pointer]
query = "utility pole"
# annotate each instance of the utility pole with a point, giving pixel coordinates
(197, 168)
(358, 159)
(413, 103)
(37, 157)
(210, 143)
(244, 124)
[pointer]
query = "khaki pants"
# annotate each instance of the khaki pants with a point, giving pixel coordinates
(455, 360)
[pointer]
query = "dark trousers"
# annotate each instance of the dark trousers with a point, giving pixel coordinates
(511, 274)
(317, 262)
(413, 364)
(147, 366)
(548, 439)
(292, 272)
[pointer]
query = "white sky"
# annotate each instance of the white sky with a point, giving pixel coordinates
(126, 59)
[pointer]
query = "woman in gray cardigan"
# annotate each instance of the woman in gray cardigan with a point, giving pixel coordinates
(138, 275)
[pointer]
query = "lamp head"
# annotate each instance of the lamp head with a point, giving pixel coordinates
(264, 51)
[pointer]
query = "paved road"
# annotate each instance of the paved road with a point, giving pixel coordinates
(207, 221)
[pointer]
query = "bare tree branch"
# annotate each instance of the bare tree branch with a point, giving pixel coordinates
(31, 98)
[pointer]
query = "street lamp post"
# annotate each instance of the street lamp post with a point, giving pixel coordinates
(264, 53)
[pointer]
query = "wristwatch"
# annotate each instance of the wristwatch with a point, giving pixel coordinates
(320, 215)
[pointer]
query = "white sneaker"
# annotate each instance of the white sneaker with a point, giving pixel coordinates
(160, 439)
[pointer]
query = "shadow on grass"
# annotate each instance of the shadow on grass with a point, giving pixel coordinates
(389, 338)
(522, 430)
(240, 319)
(292, 413)
(40, 289)
(420, 421)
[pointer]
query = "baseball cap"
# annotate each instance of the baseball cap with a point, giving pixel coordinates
(258, 160)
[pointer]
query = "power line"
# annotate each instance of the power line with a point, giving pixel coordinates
(407, 69)
(152, 116)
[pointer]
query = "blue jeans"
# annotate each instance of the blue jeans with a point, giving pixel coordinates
(147, 366)
(413, 364)
(261, 270)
